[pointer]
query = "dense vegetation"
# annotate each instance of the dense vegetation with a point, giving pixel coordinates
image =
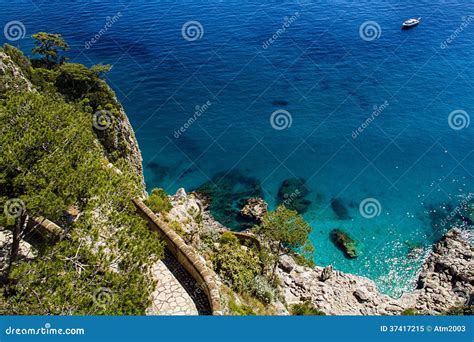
(249, 268)
(305, 309)
(55, 162)
(158, 201)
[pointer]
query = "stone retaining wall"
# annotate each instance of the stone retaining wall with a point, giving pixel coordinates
(186, 256)
(45, 227)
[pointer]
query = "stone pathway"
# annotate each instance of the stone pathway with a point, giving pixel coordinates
(176, 293)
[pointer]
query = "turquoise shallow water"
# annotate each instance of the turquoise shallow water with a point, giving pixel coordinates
(326, 77)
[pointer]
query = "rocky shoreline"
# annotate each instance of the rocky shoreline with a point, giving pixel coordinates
(445, 280)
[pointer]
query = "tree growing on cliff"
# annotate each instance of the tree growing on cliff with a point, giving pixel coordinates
(284, 229)
(48, 45)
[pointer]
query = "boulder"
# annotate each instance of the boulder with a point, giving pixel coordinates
(339, 209)
(343, 241)
(287, 264)
(292, 195)
(254, 209)
(181, 194)
(326, 273)
(362, 294)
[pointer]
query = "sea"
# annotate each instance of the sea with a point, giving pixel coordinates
(366, 124)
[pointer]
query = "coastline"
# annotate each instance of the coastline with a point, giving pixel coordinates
(339, 293)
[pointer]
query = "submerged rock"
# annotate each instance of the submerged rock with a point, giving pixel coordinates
(279, 103)
(226, 192)
(339, 209)
(254, 209)
(344, 242)
(292, 195)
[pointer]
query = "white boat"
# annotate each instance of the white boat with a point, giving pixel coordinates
(411, 22)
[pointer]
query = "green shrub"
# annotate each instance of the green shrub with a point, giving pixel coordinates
(228, 237)
(19, 59)
(303, 260)
(178, 228)
(305, 309)
(261, 289)
(460, 310)
(241, 310)
(237, 266)
(410, 312)
(51, 160)
(284, 229)
(158, 201)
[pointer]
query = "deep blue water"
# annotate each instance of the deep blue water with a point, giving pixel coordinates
(325, 76)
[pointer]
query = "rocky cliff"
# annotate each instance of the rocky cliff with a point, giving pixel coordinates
(11, 76)
(445, 280)
(118, 139)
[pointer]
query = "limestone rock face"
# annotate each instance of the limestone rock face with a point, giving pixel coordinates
(254, 209)
(326, 273)
(120, 139)
(287, 263)
(190, 211)
(446, 279)
(11, 76)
